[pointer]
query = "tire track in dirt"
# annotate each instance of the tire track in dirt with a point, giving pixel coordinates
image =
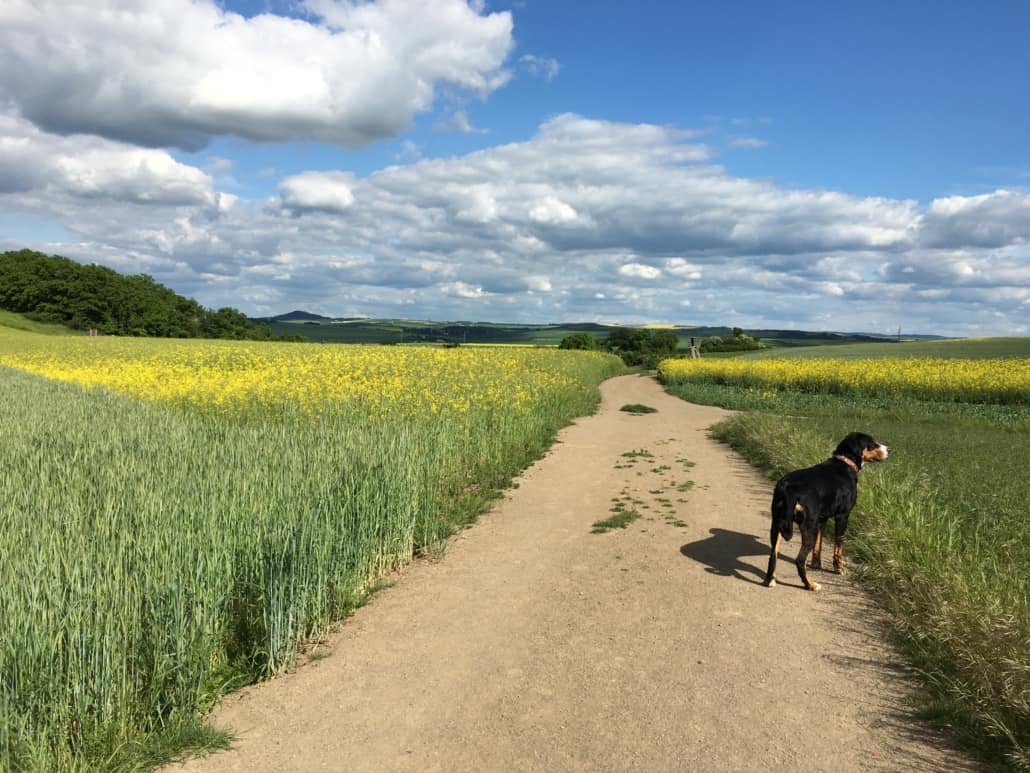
(535, 645)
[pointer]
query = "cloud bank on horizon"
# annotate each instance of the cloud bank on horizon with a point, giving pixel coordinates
(111, 119)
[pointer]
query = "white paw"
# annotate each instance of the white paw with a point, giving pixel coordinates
(816, 586)
(772, 584)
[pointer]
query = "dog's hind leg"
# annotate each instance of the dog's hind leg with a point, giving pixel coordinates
(817, 548)
(770, 574)
(807, 543)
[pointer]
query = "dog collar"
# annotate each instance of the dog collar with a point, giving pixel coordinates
(846, 461)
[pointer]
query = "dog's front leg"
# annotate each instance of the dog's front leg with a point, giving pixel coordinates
(840, 526)
(838, 557)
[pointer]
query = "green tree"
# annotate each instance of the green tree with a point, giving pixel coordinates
(642, 347)
(741, 342)
(51, 288)
(579, 341)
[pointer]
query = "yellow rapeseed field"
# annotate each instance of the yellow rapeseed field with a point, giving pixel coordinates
(378, 380)
(989, 380)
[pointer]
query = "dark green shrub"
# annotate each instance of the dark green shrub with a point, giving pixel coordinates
(643, 348)
(583, 341)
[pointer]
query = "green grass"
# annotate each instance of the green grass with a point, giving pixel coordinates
(638, 453)
(959, 348)
(155, 557)
(638, 408)
(940, 534)
(803, 404)
(20, 322)
(622, 519)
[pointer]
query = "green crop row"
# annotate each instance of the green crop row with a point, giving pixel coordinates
(156, 556)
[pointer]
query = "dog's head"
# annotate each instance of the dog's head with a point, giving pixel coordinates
(860, 448)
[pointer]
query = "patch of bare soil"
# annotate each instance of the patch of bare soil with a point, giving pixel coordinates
(536, 645)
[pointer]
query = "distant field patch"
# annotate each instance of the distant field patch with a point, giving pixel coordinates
(244, 376)
(959, 348)
(1001, 381)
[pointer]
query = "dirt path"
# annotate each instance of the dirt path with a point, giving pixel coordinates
(535, 645)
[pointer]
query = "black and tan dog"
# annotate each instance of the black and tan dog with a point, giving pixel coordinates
(812, 496)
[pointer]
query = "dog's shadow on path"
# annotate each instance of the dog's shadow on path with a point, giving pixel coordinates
(722, 553)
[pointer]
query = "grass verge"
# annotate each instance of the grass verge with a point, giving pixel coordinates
(940, 536)
(19, 322)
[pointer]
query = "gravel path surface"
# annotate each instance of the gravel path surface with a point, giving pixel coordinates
(536, 645)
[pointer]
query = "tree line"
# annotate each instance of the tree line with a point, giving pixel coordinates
(637, 346)
(51, 288)
(646, 348)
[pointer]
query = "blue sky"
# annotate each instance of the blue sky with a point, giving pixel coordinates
(819, 166)
(909, 100)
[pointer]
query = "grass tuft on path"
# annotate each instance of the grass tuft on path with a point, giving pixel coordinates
(621, 520)
(638, 408)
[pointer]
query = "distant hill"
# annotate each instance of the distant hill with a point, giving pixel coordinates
(55, 289)
(395, 331)
(302, 316)
(296, 316)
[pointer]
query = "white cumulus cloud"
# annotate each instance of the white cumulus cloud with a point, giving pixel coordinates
(32, 161)
(462, 290)
(586, 219)
(325, 191)
(639, 271)
(539, 284)
(551, 209)
(179, 72)
(991, 220)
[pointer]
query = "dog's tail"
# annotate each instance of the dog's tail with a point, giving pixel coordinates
(783, 512)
